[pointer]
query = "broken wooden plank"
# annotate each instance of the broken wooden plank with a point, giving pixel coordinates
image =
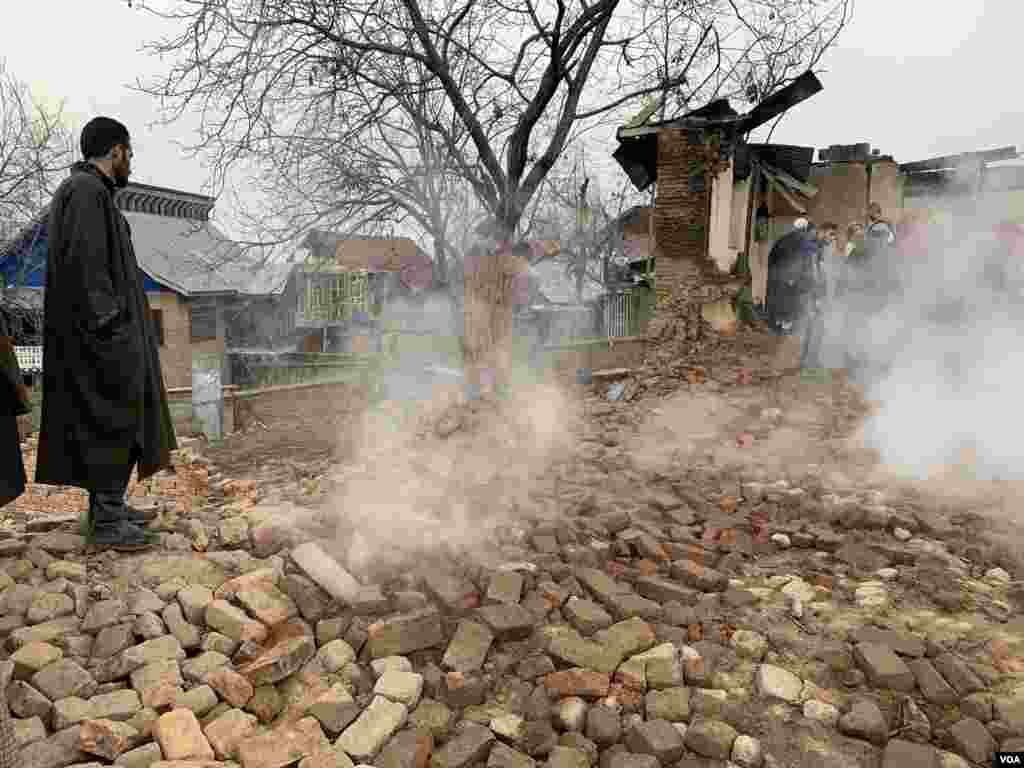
(612, 373)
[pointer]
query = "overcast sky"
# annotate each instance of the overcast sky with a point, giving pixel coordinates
(914, 78)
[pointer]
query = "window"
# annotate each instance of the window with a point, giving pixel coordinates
(202, 322)
(157, 316)
(334, 297)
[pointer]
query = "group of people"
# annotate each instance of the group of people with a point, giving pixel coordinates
(815, 280)
(104, 403)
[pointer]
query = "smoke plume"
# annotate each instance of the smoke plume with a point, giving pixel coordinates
(433, 474)
(947, 355)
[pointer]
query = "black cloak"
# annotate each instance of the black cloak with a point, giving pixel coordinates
(12, 466)
(104, 401)
(791, 269)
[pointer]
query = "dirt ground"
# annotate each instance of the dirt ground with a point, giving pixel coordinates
(732, 410)
(303, 442)
(732, 404)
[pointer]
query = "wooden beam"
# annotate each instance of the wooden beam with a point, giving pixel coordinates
(644, 130)
(951, 162)
(779, 187)
(784, 99)
(807, 190)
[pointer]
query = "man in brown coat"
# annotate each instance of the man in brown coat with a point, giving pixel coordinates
(104, 405)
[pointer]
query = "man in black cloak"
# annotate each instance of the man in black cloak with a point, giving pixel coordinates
(792, 270)
(104, 402)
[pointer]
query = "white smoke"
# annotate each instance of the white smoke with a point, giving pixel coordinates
(950, 345)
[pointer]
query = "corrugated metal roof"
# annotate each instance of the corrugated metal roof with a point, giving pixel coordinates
(187, 256)
(794, 160)
(175, 243)
(779, 176)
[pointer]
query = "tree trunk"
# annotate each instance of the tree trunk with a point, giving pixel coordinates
(440, 267)
(490, 281)
(581, 268)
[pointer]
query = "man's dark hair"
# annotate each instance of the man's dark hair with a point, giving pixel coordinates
(100, 135)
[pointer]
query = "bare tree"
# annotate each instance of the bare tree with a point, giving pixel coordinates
(486, 91)
(368, 111)
(370, 168)
(35, 149)
(582, 215)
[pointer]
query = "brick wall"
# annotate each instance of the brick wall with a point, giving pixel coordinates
(887, 189)
(686, 278)
(601, 355)
(843, 193)
(308, 402)
(176, 353)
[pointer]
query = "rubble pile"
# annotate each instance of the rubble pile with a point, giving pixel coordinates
(615, 613)
(778, 626)
(182, 490)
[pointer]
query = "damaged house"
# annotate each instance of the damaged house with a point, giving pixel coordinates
(348, 284)
(718, 197)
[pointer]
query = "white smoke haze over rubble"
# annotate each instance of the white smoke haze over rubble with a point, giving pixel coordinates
(431, 476)
(948, 400)
(440, 478)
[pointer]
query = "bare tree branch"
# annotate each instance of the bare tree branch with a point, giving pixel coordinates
(384, 112)
(36, 149)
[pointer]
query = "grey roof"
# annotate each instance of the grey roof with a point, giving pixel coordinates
(194, 257)
(23, 297)
(187, 254)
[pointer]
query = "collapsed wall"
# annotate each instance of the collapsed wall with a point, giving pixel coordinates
(688, 283)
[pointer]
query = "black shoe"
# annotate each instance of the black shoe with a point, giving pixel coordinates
(129, 515)
(138, 516)
(123, 537)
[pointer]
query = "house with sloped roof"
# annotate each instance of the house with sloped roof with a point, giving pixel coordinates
(347, 282)
(197, 280)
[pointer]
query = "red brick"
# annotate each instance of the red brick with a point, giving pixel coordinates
(578, 682)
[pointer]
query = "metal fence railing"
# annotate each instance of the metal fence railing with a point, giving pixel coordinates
(618, 311)
(30, 359)
(625, 312)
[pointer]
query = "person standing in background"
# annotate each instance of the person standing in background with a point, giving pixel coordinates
(816, 299)
(792, 264)
(879, 230)
(792, 271)
(854, 239)
(830, 260)
(829, 316)
(14, 402)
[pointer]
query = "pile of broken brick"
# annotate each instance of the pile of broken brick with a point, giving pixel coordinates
(637, 639)
(183, 488)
